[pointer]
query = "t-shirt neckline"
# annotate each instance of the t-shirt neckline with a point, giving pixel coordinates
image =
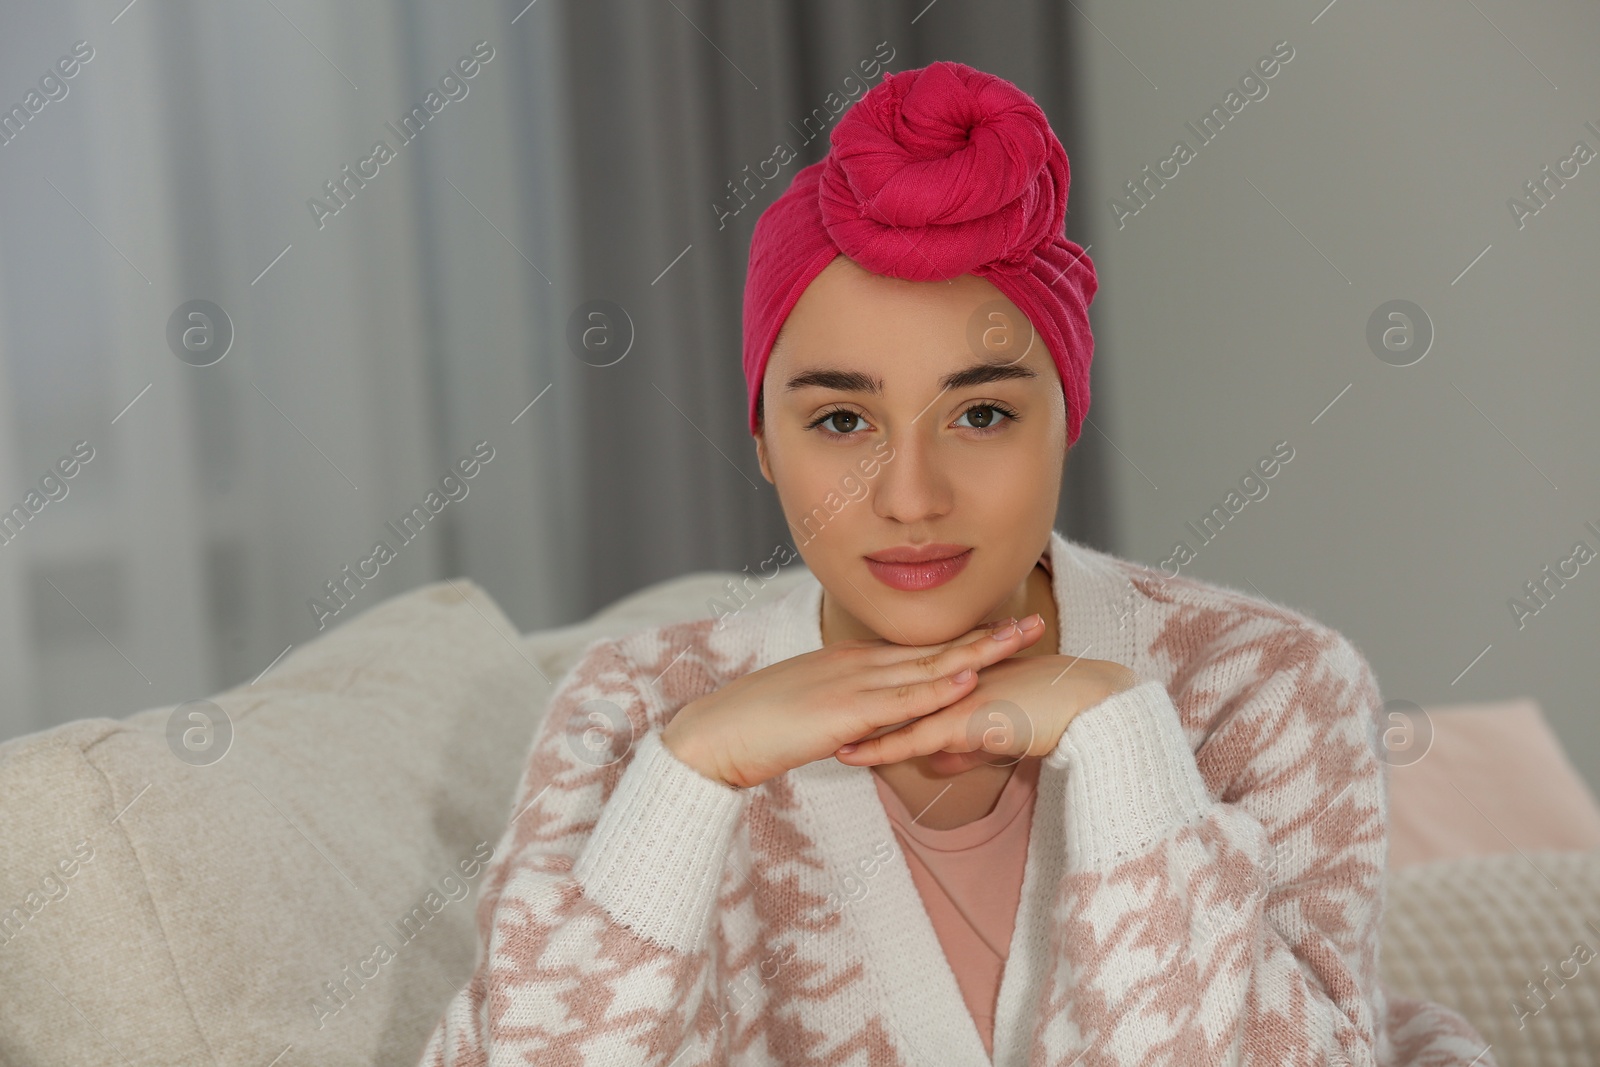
(1014, 797)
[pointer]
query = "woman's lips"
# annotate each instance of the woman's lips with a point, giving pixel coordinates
(913, 576)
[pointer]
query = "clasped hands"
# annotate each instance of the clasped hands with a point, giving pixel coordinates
(961, 702)
(1020, 707)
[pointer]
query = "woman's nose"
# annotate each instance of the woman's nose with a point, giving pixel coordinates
(912, 487)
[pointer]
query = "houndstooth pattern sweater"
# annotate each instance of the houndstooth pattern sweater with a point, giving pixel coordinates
(1204, 880)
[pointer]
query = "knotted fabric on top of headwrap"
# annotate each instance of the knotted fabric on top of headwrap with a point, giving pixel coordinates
(934, 173)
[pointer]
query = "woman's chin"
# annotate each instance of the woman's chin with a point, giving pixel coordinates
(906, 622)
(920, 632)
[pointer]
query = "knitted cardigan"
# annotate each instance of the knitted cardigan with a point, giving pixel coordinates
(1204, 882)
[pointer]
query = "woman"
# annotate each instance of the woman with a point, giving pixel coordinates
(878, 819)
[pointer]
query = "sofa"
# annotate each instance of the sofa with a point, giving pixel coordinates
(285, 873)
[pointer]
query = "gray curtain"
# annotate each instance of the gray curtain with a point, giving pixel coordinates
(376, 345)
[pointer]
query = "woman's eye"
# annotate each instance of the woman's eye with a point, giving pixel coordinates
(832, 421)
(987, 417)
(844, 423)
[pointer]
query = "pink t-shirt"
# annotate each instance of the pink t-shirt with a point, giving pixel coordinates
(970, 880)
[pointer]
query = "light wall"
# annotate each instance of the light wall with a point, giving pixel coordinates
(1234, 307)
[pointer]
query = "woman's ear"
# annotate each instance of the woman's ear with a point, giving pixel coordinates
(761, 455)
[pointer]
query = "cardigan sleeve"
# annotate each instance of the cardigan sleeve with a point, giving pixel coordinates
(596, 906)
(1240, 931)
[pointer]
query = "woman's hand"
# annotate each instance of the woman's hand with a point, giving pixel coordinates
(1020, 707)
(802, 709)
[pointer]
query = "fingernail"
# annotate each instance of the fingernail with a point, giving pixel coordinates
(1002, 635)
(847, 749)
(962, 677)
(1031, 621)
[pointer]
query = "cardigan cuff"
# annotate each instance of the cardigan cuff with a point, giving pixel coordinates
(1131, 776)
(655, 857)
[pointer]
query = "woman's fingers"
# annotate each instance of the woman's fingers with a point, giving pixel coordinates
(932, 733)
(880, 731)
(911, 690)
(980, 651)
(962, 740)
(912, 701)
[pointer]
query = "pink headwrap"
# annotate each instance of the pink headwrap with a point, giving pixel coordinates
(934, 173)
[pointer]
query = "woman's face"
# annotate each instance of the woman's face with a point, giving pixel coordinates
(872, 445)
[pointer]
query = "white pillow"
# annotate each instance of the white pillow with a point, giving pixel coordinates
(1472, 932)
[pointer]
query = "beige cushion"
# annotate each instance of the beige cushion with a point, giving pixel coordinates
(157, 911)
(1472, 932)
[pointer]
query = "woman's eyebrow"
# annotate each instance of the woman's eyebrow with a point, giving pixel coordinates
(849, 381)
